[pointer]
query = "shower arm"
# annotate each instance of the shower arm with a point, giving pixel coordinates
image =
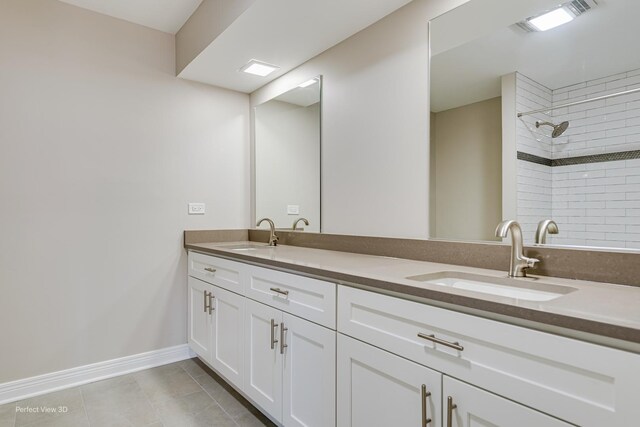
(571, 104)
(540, 123)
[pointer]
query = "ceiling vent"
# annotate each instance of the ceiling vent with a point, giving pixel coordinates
(578, 7)
(570, 10)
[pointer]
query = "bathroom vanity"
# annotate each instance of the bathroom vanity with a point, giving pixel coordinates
(320, 338)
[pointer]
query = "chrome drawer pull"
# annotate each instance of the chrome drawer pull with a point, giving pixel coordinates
(280, 291)
(425, 394)
(211, 297)
(283, 330)
(274, 340)
(433, 338)
(450, 407)
(210, 269)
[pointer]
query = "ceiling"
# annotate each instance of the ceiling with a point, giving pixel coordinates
(164, 15)
(285, 33)
(302, 96)
(597, 44)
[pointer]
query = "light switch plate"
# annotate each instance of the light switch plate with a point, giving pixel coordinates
(293, 209)
(197, 208)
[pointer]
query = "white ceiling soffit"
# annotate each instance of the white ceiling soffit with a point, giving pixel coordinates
(478, 18)
(164, 15)
(598, 43)
(285, 33)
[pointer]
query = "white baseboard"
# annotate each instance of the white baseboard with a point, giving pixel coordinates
(34, 386)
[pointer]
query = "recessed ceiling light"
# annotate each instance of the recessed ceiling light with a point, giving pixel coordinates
(308, 83)
(259, 68)
(552, 19)
(562, 14)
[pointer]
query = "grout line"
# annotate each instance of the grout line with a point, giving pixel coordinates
(84, 406)
(209, 394)
(146, 397)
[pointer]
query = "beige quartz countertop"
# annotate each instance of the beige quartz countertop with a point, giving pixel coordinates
(608, 311)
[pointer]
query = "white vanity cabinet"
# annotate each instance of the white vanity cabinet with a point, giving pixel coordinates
(200, 321)
(377, 388)
(393, 361)
(464, 405)
(227, 348)
(309, 374)
(578, 382)
(216, 329)
(217, 271)
(263, 362)
(290, 366)
(275, 346)
(311, 299)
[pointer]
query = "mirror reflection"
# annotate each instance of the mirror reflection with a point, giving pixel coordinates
(287, 158)
(535, 116)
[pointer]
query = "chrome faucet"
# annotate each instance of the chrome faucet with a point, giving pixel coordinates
(519, 262)
(295, 223)
(273, 239)
(544, 227)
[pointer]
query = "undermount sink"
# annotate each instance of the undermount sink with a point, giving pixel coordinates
(248, 247)
(503, 287)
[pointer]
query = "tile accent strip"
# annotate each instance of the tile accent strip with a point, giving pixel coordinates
(534, 159)
(579, 160)
(597, 158)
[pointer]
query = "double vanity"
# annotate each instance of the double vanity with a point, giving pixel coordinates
(321, 338)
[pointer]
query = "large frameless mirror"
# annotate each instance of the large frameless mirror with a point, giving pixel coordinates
(535, 115)
(287, 157)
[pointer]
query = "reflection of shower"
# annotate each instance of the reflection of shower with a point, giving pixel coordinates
(557, 129)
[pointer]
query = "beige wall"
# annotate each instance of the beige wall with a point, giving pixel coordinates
(101, 149)
(375, 124)
(432, 171)
(467, 146)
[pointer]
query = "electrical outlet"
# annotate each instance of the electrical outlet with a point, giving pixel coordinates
(293, 209)
(197, 209)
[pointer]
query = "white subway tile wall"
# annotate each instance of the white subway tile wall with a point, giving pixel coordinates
(598, 127)
(534, 181)
(594, 204)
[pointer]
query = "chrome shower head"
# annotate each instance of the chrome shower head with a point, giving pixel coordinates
(557, 129)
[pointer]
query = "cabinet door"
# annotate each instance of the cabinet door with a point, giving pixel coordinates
(475, 407)
(377, 388)
(309, 389)
(200, 323)
(228, 335)
(263, 361)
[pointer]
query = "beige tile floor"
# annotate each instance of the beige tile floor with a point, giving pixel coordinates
(181, 394)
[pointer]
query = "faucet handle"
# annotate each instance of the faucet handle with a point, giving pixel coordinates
(532, 262)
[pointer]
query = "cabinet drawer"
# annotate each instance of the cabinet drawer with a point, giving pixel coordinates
(579, 382)
(217, 271)
(311, 299)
